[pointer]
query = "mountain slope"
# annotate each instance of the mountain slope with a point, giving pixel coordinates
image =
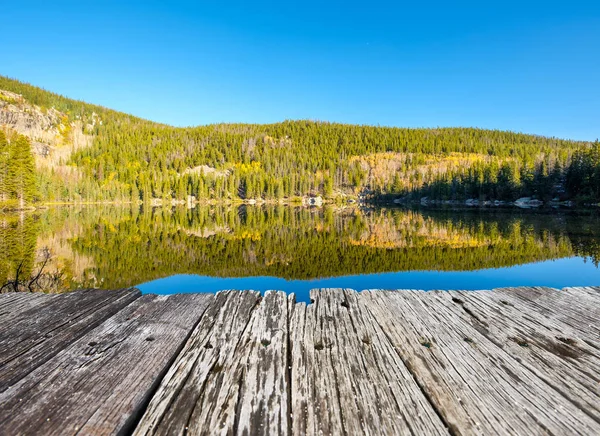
(87, 152)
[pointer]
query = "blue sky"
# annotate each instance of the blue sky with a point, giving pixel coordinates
(527, 66)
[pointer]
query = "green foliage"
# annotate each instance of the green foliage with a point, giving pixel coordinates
(112, 247)
(135, 159)
(285, 159)
(17, 171)
(18, 238)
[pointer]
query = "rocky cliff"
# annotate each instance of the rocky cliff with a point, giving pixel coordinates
(53, 134)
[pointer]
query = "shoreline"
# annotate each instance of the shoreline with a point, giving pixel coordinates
(534, 205)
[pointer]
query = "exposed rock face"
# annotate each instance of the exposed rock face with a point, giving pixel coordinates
(53, 136)
(312, 201)
(40, 126)
(207, 170)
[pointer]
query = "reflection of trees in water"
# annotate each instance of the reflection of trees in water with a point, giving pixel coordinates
(18, 235)
(28, 261)
(116, 247)
(38, 281)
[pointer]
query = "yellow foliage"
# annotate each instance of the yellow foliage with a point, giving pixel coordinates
(252, 167)
(246, 234)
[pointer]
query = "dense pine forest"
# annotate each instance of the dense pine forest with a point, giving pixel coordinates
(96, 154)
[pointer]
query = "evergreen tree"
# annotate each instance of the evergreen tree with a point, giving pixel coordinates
(22, 171)
(4, 162)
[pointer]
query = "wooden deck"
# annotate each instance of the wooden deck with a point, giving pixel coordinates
(508, 361)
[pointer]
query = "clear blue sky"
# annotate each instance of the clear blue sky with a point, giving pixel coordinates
(531, 66)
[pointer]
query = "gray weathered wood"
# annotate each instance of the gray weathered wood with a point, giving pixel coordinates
(42, 331)
(200, 393)
(263, 398)
(101, 383)
(592, 292)
(588, 297)
(476, 386)
(14, 304)
(549, 349)
(346, 376)
(571, 308)
(508, 361)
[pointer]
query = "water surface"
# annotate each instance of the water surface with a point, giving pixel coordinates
(295, 249)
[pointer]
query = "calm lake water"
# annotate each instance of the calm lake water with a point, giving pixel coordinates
(296, 249)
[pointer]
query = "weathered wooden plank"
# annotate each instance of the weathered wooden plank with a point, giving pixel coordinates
(477, 387)
(549, 349)
(315, 397)
(41, 332)
(590, 291)
(199, 394)
(589, 297)
(263, 398)
(572, 308)
(347, 377)
(101, 383)
(14, 304)
(509, 361)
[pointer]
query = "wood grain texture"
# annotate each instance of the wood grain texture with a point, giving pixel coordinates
(592, 292)
(508, 361)
(200, 393)
(477, 387)
(346, 376)
(42, 331)
(547, 348)
(14, 304)
(101, 383)
(262, 360)
(571, 307)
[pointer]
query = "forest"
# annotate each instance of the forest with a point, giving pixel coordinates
(131, 159)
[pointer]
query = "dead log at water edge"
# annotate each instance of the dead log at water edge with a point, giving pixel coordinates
(507, 361)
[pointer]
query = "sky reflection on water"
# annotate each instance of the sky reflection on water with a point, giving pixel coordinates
(574, 271)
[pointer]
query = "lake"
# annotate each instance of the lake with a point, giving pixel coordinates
(295, 249)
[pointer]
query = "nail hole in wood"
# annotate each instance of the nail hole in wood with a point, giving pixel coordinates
(312, 300)
(457, 300)
(265, 342)
(208, 346)
(520, 342)
(149, 338)
(469, 340)
(506, 303)
(93, 344)
(319, 346)
(568, 341)
(345, 304)
(426, 343)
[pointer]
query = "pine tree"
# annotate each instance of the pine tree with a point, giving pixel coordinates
(22, 171)
(4, 160)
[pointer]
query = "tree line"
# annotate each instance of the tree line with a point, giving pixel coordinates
(132, 159)
(549, 178)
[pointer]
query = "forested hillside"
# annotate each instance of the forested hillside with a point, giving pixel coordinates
(101, 155)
